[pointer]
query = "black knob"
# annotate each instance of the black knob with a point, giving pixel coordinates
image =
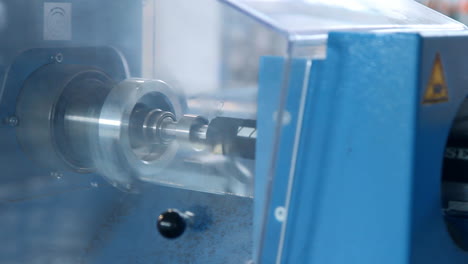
(171, 224)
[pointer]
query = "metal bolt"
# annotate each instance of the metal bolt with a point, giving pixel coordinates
(56, 175)
(286, 117)
(58, 57)
(12, 121)
(280, 213)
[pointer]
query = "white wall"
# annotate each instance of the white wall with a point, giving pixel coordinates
(187, 43)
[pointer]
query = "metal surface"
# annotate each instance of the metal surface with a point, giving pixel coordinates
(188, 129)
(122, 162)
(53, 129)
(223, 238)
(97, 224)
(155, 124)
(367, 186)
(128, 133)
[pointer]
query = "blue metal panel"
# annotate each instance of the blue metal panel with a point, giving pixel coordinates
(352, 195)
(367, 188)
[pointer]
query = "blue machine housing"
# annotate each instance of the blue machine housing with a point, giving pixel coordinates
(367, 181)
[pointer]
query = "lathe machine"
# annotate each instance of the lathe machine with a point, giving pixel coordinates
(232, 131)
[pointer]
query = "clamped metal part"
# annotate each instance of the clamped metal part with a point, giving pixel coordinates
(58, 109)
(129, 147)
(74, 117)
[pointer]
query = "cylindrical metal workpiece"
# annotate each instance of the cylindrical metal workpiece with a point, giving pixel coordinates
(75, 118)
(189, 128)
(59, 109)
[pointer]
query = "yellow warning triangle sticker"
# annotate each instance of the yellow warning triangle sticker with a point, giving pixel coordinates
(436, 89)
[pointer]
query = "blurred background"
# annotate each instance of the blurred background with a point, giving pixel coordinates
(457, 9)
(223, 45)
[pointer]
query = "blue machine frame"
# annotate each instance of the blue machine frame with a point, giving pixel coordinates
(367, 182)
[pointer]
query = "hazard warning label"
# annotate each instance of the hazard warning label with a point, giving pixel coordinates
(436, 89)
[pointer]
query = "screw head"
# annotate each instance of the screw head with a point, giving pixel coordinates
(280, 213)
(58, 57)
(12, 121)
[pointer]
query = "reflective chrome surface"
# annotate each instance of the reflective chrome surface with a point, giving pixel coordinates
(122, 159)
(57, 109)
